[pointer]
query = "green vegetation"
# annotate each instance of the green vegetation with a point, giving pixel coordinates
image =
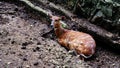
(105, 13)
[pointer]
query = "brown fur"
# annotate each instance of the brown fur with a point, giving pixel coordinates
(81, 42)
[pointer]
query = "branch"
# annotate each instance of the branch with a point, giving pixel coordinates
(35, 7)
(58, 8)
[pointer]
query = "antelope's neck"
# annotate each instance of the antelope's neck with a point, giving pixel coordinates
(59, 30)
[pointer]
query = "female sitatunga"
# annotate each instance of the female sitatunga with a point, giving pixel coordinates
(83, 44)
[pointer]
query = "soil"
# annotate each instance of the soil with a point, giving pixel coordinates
(26, 41)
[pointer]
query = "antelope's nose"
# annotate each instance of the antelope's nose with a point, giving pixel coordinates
(52, 24)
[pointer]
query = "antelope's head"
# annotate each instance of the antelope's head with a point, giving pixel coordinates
(57, 22)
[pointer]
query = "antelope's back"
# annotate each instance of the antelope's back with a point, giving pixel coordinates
(74, 39)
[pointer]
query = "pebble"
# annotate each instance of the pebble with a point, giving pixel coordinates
(113, 64)
(24, 44)
(12, 42)
(9, 63)
(27, 66)
(38, 43)
(54, 62)
(37, 48)
(34, 50)
(24, 59)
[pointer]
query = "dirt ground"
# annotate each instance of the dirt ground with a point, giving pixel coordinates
(25, 44)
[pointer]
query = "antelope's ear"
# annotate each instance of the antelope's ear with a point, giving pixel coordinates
(63, 17)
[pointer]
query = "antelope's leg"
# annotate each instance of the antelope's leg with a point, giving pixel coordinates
(72, 52)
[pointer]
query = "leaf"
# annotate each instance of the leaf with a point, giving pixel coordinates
(107, 11)
(64, 25)
(116, 4)
(109, 1)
